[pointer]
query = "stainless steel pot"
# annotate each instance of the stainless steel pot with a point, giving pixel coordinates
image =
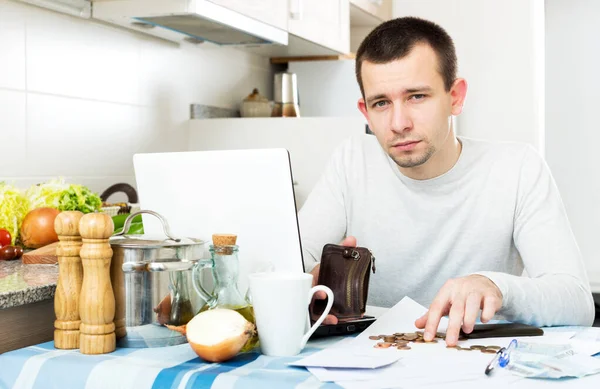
(151, 279)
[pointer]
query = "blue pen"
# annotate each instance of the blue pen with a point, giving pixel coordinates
(501, 358)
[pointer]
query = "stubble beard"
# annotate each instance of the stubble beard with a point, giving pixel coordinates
(409, 161)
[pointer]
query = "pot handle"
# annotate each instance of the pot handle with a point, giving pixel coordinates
(132, 267)
(165, 225)
(169, 266)
(211, 301)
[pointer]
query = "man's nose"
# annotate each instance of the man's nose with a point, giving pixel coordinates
(400, 119)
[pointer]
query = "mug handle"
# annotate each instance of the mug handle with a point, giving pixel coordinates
(323, 315)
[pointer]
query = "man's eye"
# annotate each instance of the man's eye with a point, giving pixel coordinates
(380, 104)
(418, 97)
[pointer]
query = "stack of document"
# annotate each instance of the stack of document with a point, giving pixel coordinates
(356, 363)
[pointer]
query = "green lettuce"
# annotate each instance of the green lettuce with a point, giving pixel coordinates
(64, 197)
(13, 208)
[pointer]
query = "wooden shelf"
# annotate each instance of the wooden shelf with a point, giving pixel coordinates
(283, 60)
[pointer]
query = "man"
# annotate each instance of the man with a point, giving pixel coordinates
(452, 221)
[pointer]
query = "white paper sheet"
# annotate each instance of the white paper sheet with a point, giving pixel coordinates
(424, 364)
(359, 353)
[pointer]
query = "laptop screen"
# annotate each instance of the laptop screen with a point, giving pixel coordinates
(249, 193)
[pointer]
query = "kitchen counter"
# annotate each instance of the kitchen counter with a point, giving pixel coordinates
(25, 284)
(26, 304)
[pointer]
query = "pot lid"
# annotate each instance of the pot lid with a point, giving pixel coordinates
(145, 241)
(255, 96)
(151, 242)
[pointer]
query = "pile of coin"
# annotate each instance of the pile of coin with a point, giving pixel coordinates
(401, 341)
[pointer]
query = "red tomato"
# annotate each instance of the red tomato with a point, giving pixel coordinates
(5, 238)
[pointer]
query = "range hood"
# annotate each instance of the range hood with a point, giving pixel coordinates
(191, 20)
(79, 8)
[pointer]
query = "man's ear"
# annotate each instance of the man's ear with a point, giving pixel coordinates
(458, 93)
(362, 107)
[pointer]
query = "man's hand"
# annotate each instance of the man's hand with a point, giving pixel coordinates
(461, 298)
(350, 241)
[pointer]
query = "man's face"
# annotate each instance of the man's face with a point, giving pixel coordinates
(407, 106)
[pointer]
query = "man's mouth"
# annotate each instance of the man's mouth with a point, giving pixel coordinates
(407, 145)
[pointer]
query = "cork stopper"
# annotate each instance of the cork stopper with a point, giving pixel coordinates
(222, 243)
(224, 239)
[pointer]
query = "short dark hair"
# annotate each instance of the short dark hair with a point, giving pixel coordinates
(394, 39)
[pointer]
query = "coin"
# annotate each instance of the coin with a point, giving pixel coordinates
(488, 351)
(385, 344)
(463, 348)
(403, 347)
(389, 339)
(410, 336)
(440, 335)
(419, 340)
(402, 342)
(477, 347)
(374, 337)
(398, 334)
(419, 333)
(456, 347)
(430, 341)
(493, 347)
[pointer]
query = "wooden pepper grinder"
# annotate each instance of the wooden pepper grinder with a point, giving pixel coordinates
(97, 302)
(70, 275)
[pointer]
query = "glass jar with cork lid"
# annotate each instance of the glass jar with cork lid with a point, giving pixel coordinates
(224, 264)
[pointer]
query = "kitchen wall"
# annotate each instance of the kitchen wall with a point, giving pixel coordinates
(500, 53)
(78, 98)
(572, 130)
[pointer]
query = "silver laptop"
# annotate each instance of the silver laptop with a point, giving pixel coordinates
(244, 192)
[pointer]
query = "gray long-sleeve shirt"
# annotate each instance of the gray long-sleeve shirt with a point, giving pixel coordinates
(495, 213)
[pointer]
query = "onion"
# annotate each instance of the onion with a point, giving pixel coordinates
(218, 335)
(163, 310)
(37, 229)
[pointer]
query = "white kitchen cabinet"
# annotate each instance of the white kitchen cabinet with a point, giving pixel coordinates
(310, 141)
(273, 12)
(326, 23)
(370, 13)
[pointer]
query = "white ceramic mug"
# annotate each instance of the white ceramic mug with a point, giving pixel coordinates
(281, 303)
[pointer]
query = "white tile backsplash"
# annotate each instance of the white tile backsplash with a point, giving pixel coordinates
(78, 98)
(12, 131)
(61, 145)
(12, 46)
(70, 57)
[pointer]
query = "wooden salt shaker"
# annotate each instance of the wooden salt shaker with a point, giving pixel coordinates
(97, 302)
(70, 275)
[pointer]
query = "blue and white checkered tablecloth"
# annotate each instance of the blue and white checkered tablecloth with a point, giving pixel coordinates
(176, 367)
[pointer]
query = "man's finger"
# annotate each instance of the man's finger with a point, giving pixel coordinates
(315, 274)
(422, 321)
(472, 307)
(330, 320)
(320, 295)
(436, 311)
(491, 305)
(349, 241)
(457, 312)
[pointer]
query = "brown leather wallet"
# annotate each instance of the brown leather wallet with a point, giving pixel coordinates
(345, 270)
